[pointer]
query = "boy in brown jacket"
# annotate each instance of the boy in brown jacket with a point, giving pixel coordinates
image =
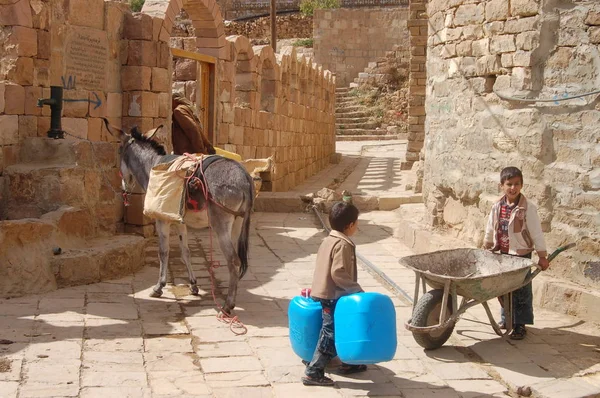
(335, 276)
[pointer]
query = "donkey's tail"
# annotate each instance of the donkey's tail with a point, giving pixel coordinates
(243, 243)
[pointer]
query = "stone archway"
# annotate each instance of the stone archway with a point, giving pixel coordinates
(206, 18)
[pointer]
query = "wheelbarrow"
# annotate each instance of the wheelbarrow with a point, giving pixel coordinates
(475, 274)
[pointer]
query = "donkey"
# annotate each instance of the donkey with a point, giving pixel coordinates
(229, 201)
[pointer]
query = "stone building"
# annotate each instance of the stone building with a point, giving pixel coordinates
(482, 56)
(117, 64)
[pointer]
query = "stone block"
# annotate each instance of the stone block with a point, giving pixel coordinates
(521, 79)
(506, 60)
(468, 14)
(16, 13)
(493, 28)
(22, 71)
(9, 129)
(520, 25)
(448, 51)
(136, 78)
(592, 18)
(463, 48)
(75, 104)
(32, 94)
(14, 98)
(141, 53)
(185, 69)
(528, 40)
(481, 47)
(27, 127)
(524, 8)
(138, 26)
(502, 44)
(161, 81)
(24, 40)
(523, 58)
(164, 55)
(488, 65)
(95, 126)
(97, 104)
(43, 44)
(114, 105)
(594, 33)
(86, 13)
(496, 10)
(164, 104)
(75, 126)
(149, 104)
(43, 126)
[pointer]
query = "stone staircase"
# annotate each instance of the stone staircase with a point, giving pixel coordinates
(60, 220)
(352, 120)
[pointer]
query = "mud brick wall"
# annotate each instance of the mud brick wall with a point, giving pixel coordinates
(479, 49)
(346, 40)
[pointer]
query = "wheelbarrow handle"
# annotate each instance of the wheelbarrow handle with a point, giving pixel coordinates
(551, 257)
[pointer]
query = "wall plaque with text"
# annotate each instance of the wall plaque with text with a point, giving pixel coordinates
(86, 58)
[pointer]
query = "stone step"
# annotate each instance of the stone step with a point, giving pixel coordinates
(360, 132)
(359, 126)
(351, 114)
(99, 259)
(366, 137)
(341, 89)
(347, 120)
(350, 109)
(33, 189)
(73, 225)
(68, 152)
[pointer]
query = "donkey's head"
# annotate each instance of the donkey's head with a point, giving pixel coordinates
(138, 154)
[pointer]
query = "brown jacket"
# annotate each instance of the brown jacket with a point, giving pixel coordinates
(335, 271)
(187, 132)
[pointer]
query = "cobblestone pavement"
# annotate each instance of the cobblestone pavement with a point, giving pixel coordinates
(112, 339)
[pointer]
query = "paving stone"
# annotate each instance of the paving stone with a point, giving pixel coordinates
(55, 350)
(128, 344)
(176, 343)
(9, 389)
(246, 392)
(111, 310)
(572, 388)
(53, 371)
(430, 392)
(293, 390)
(475, 388)
(231, 364)
(164, 328)
(170, 361)
(12, 374)
(121, 392)
(50, 389)
(223, 349)
(178, 383)
(90, 378)
(236, 379)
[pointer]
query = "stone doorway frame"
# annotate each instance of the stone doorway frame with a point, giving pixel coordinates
(205, 88)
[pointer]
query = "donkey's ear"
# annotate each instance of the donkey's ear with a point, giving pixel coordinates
(151, 133)
(115, 132)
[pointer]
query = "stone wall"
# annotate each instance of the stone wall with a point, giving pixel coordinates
(288, 27)
(479, 51)
(276, 105)
(346, 40)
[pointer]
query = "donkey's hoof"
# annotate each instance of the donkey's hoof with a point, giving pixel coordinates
(156, 293)
(194, 290)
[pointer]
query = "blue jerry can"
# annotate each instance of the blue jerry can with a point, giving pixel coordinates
(305, 321)
(365, 328)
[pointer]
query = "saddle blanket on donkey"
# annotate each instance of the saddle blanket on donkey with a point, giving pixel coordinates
(167, 196)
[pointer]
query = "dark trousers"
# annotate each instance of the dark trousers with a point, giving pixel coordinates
(325, 350)
(522, 302)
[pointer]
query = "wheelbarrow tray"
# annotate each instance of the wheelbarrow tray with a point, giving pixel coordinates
(477, 274)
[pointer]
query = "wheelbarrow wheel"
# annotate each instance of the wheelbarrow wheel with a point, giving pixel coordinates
(427, 313)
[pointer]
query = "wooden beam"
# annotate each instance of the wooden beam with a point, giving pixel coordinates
(179, 53)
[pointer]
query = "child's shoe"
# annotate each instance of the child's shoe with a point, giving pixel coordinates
(346, 369)
(518, 333)
(323, 381)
